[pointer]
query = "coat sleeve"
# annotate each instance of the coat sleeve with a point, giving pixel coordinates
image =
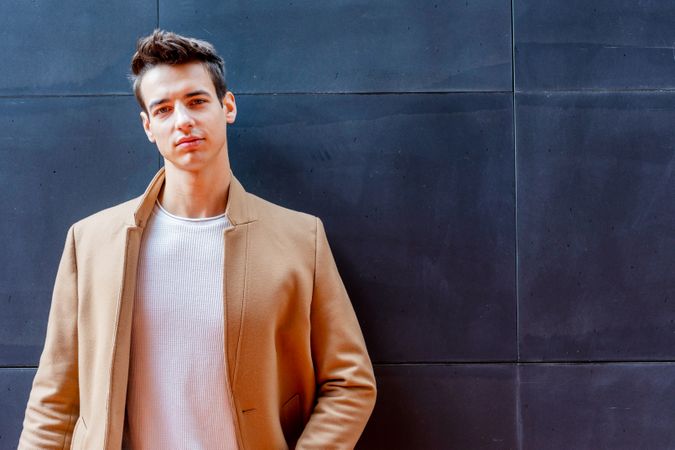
(53, 404)
(345, 381)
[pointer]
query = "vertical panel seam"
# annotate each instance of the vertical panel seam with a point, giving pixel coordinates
(518, 399)
(515, 182)
(519, 411)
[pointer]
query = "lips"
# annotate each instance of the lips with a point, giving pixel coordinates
(189, 141)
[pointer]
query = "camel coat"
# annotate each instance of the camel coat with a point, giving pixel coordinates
(297, 363)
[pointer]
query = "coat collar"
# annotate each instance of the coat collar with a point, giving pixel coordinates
(238, 210)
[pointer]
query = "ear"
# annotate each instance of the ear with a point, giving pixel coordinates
(146, 126)
(230, 107)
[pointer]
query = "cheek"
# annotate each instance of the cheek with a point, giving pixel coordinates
(160, 132)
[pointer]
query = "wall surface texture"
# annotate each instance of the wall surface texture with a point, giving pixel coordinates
(496, 179)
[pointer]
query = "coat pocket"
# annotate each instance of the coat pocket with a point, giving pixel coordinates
(291, 420)
(79, 431)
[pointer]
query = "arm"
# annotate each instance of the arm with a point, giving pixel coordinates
(345, 380)
(53, 405)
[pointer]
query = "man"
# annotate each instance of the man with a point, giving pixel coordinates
(197, 316)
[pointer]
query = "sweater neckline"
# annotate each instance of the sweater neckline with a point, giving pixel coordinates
(200, 220)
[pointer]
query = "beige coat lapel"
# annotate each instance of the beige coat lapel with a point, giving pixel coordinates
(123, 320)
(120, 365)
(236, 262)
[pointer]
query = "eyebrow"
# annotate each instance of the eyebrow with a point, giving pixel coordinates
(188, 95)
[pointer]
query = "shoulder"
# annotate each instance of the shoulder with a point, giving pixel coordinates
(267, 211)
(109, 220)
(284, 224)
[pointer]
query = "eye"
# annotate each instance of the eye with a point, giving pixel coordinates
(198, 101)
(162, 110)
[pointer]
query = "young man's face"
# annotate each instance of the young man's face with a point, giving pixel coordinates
(185, 118)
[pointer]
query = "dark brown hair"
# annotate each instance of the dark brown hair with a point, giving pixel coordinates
(165, 47)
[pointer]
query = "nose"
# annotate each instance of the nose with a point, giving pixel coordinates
(184, 121)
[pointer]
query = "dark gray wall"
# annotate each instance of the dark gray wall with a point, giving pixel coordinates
(496, 179)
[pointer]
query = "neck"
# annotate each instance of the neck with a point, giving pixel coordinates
(195, 194)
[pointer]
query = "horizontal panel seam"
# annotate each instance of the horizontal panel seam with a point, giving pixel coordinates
(520, 363)
(239, 94)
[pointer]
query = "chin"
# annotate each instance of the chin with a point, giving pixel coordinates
(187, 164)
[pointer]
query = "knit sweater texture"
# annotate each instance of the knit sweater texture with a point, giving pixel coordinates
(177, 394)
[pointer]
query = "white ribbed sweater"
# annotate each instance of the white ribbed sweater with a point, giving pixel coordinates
(177, 394)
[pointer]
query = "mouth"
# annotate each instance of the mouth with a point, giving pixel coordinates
(189, 142)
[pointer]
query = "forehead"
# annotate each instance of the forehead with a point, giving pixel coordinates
(167, 81)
